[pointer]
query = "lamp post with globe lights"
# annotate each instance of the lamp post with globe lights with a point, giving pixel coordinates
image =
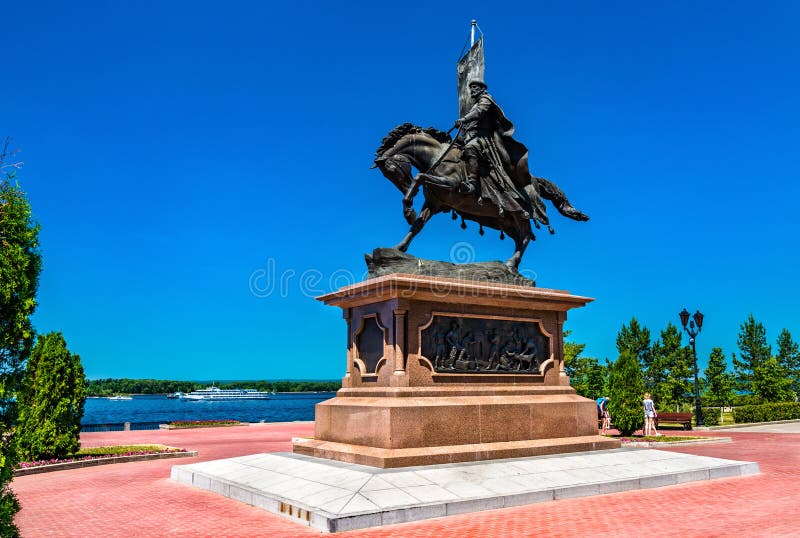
(696, 321)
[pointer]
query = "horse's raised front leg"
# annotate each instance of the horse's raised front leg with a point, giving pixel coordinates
(424, 215)
(408, 211)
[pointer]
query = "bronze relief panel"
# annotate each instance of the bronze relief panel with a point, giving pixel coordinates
(459, 344)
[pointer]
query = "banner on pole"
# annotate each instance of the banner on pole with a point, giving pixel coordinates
(470, 66)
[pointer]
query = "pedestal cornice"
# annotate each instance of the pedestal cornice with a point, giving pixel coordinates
(452, 291)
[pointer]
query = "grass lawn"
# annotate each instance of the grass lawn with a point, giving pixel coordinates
(654, 438)
(178, 424)
(122, 450)
(104, 452)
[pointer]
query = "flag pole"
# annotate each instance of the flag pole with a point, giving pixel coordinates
(472, 33)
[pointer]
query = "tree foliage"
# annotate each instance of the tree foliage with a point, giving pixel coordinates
(789, 358)
(770, 382)
(20, 264)
(626, 388)
(571, 352)
(635, 339)
(719, 382)
(671, 370)
(586, 375)
(52, 399)
(753, 351)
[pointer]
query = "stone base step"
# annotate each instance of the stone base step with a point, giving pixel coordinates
(405, 457)
(332, 496)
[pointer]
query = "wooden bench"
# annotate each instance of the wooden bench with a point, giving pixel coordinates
(684, 419)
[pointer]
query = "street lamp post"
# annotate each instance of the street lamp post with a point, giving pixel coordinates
(690, 330)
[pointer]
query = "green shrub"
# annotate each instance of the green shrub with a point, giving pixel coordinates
(9, 505)
(766, 412)
(711, 416)
(51, 401)
(745, 399)
(626, 387)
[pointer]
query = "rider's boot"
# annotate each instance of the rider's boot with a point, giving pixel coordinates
(473, 182)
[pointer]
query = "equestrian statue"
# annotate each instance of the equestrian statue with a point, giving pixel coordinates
(481, 175)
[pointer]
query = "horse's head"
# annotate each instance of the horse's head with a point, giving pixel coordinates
(407, 146)
(396, 168)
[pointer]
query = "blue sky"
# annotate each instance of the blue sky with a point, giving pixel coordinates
(176, 153)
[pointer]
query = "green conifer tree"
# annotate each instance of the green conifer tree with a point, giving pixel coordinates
(753, 351)
(635, 339)
(770, 382)
(52, 401)
(719, 382)
(671, 370)
(20, 264)
(789, 358)
(626, 389)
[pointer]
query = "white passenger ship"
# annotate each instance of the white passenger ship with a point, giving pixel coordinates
(216, 393)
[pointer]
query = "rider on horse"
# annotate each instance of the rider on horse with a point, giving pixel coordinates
(484, 130)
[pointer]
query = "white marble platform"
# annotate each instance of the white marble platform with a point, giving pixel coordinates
(333, 496)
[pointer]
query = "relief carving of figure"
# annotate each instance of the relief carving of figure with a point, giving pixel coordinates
(457, 343)
(440, 349)
(494, 347)
(528, 355)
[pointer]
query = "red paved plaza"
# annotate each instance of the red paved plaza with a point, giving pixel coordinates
(138, 499)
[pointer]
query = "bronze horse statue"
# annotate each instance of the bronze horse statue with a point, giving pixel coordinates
(432, 152)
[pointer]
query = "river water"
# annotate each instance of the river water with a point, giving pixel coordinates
(283, 407)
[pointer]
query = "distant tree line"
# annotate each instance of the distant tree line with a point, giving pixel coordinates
(664, 368)
(110, 387)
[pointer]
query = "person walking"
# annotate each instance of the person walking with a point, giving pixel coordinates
(650, 415)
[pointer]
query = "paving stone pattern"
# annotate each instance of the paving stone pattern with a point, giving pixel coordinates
(139, 499)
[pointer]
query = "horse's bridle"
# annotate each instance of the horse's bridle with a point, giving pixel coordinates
(403, 162)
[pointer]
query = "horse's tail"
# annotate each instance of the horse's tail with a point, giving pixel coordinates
(550, 191)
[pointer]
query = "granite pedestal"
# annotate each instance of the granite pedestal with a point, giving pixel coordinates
(443, 370)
